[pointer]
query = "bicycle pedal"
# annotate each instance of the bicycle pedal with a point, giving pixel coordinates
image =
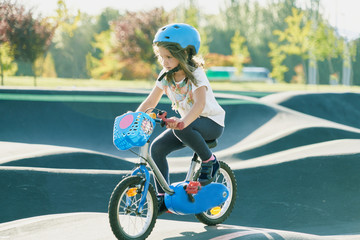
(193, 187)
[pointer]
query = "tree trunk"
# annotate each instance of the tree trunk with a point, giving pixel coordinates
(1, 71)
(2, 75)
(331, 68)
(34, 71)
(305, 71)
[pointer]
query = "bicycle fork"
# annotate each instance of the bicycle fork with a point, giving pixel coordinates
(142, 170)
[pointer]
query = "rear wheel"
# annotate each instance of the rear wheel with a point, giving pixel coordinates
(127, 221)
(220, 213)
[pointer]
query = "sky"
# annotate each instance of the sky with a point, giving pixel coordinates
(343, 14)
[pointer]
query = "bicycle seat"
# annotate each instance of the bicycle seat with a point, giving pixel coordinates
(211, 143)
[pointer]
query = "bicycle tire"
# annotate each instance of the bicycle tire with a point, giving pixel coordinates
(227, 177)
(123, 216)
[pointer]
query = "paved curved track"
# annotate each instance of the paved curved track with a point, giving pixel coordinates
(295, 156)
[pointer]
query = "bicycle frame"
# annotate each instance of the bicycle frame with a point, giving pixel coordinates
(144, 159)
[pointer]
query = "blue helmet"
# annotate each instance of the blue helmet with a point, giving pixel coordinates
(181, 33)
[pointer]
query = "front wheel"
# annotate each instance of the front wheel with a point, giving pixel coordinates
(127, 219)
(220, 213)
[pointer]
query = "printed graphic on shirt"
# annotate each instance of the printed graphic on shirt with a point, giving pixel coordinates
(180, 94)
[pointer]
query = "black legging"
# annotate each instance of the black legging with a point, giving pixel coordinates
(193, 136)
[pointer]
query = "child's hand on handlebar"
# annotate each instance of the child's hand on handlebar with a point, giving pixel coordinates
(175, 123)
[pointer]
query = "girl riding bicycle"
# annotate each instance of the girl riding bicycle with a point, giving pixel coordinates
(184, 81)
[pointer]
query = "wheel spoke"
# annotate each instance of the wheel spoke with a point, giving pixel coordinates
(132, 221)
(225, 177)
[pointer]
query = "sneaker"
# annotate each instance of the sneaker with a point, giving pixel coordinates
(208, 172)
(161, 205)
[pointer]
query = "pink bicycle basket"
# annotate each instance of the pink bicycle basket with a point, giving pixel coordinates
(132, 129)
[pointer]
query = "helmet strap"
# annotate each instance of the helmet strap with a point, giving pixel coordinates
(174, 70)
(190, 56)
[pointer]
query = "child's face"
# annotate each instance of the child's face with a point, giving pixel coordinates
(167, 60)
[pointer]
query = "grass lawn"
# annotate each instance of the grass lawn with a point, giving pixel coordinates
(63, 83)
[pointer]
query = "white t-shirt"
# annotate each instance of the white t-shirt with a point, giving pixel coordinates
(181, 96)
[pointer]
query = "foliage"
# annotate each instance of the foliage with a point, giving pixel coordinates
(70, 55)
(110, 66)
(134, 69)
(66, 21)
(29, 38)
(293, 40)
(215, 59)
(64, 50)
(45, 67)
(134, 33)
(356, 65)
(240, 51)
(191, 15)
(125, 51)
(316, 41)
(105, 18)
(277, 59)
(7, 64)
(106, 65)
(326, 45)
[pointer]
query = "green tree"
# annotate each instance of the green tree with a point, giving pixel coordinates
(66, 21)
(330, 47)
(44, 66)
(293, 40)
(105, 18)
(256, 23)
(101, 62)
(348, 55)
(134, 34)
(7, 64)
(191, 14)
(64, 50)
(326, 44)
(72, 42)
(70, 55)
(48, 70)
(277, 58)
(29, 38)
(356, 64)
(106, 65)
(240, 51)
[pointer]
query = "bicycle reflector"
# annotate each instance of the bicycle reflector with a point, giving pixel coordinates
(132, 130)
(215, 210)
(131, 192)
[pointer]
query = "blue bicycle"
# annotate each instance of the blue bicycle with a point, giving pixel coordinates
(133, 205)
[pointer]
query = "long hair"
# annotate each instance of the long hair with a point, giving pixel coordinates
(187, 60)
